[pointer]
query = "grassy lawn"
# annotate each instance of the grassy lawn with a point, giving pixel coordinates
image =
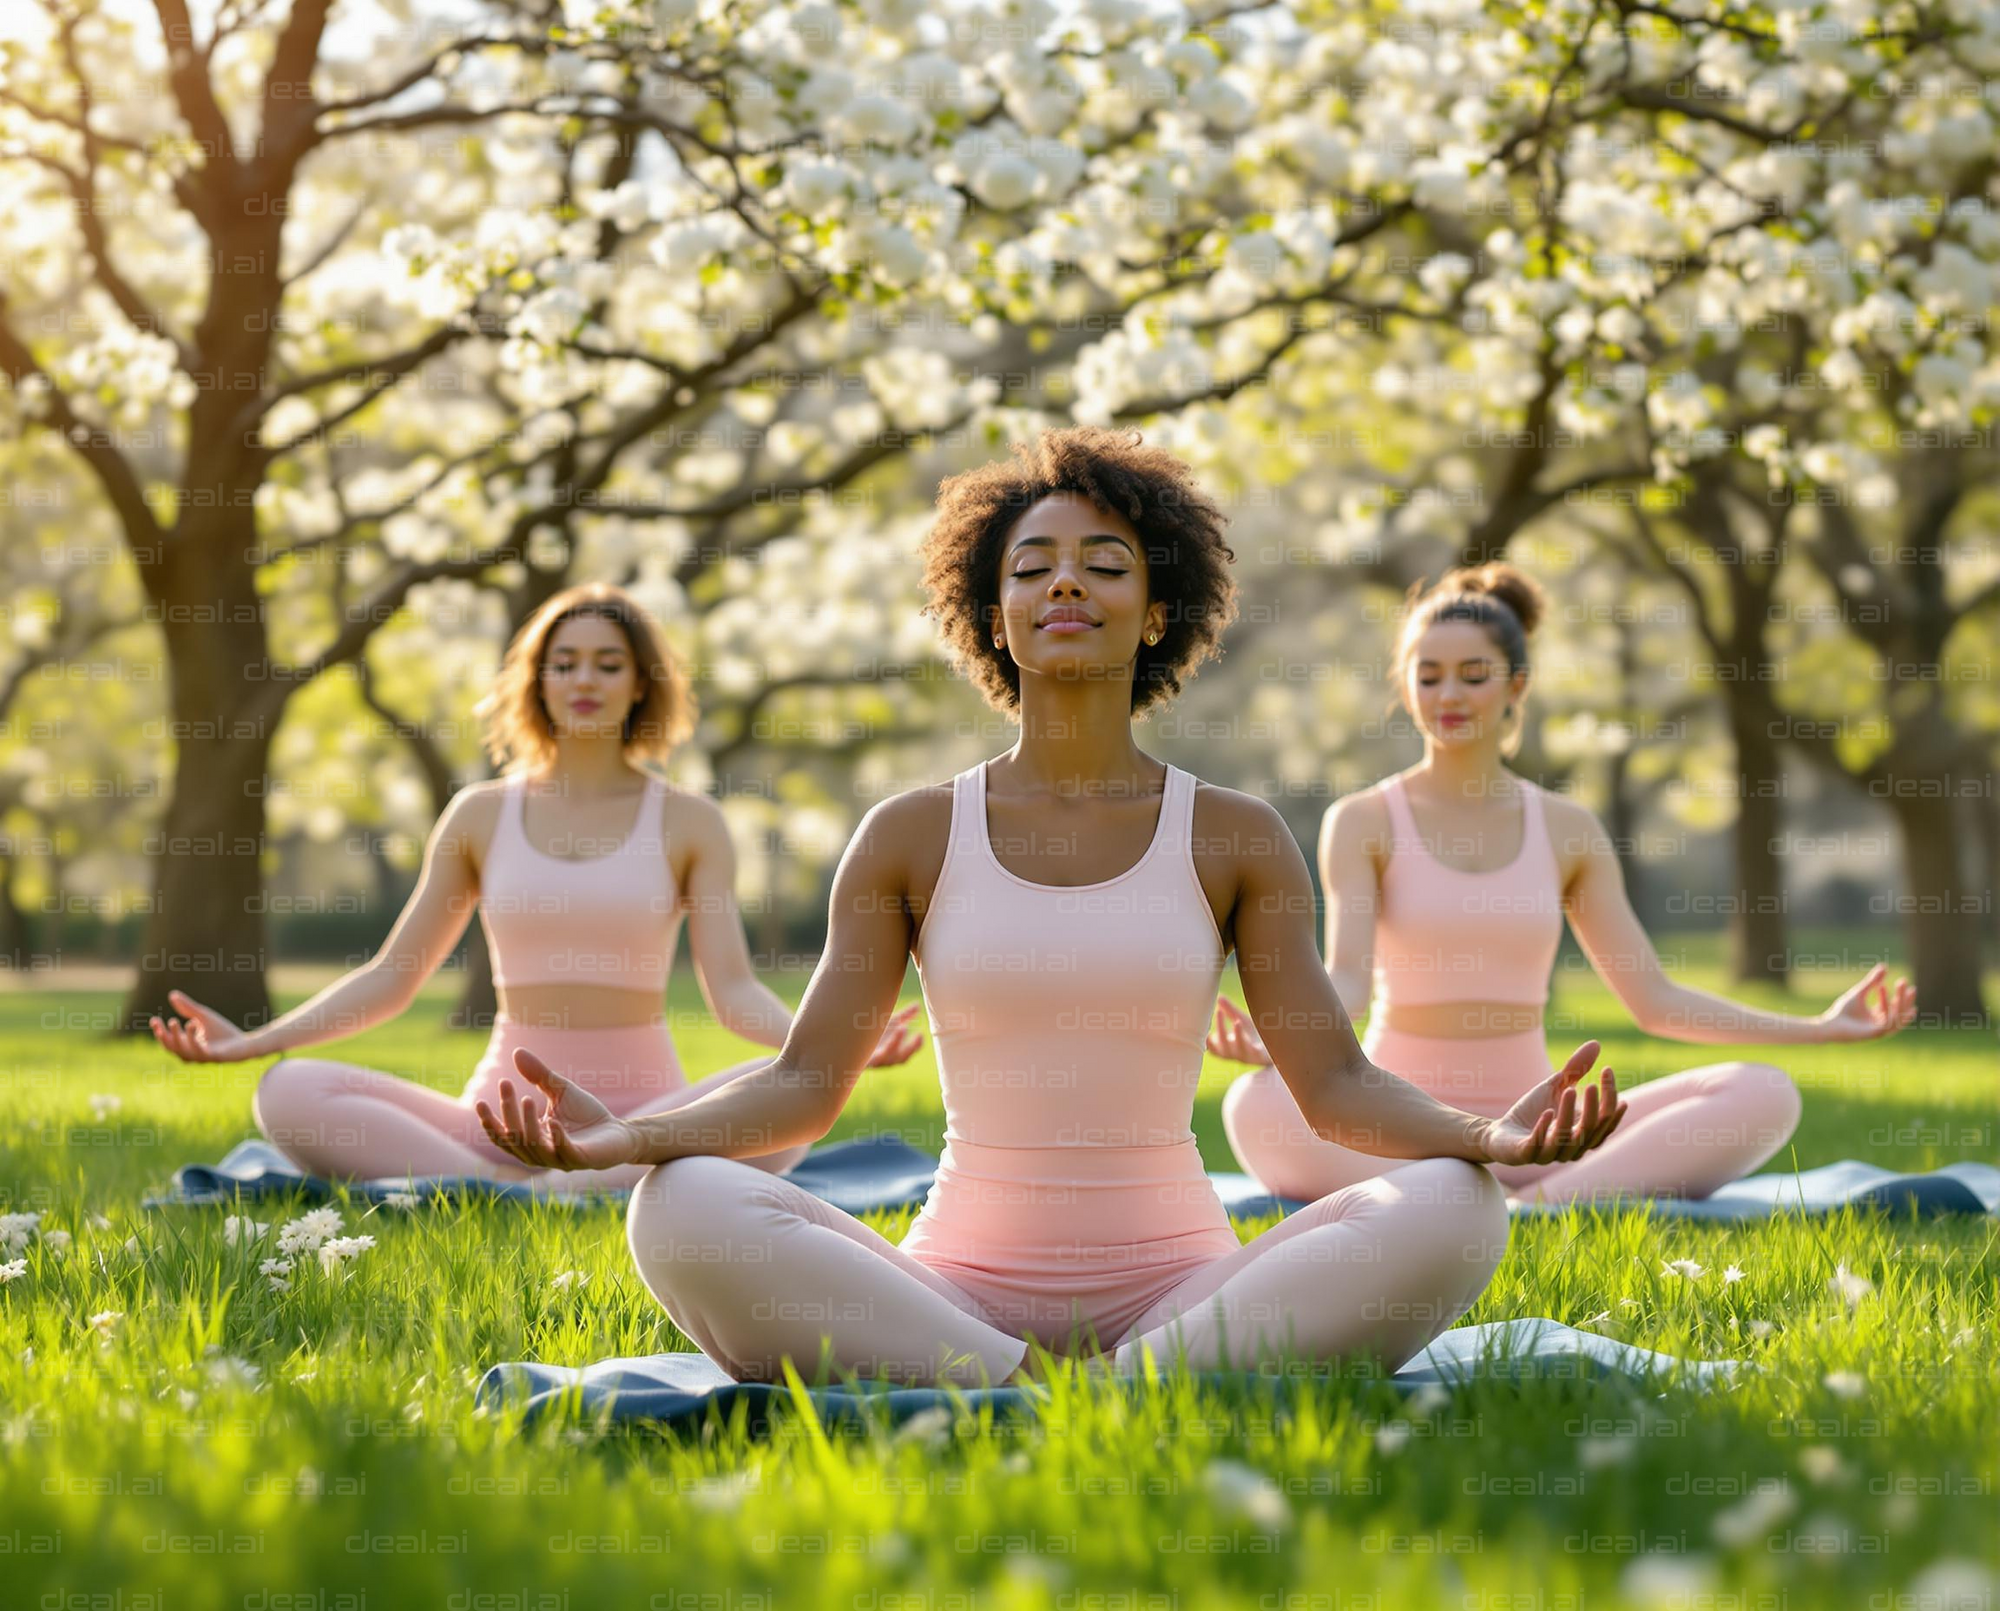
(228, 1444)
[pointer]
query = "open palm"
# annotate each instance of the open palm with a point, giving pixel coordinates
(1871, 1009)
(572, 1131)
(1549, 1125)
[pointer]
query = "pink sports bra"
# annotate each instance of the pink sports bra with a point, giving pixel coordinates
(604, 920)
(1446, 935)
(1069, 1015)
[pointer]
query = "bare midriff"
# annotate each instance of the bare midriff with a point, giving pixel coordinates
(1459, 1020)
(580, 1006)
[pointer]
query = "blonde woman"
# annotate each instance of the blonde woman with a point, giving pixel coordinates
(584, 865)
(1449, 884)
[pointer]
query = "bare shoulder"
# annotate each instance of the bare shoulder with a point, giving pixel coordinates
(687, 816)
(469, 818)
(1361, 817)
(1575, 835)
(913, 826)
(1574, 829)
(1232, 823)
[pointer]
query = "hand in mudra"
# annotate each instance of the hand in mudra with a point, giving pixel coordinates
(1234, 1036)
(573, 1131)
(206, 1037)
(1549, 1125)
(1870, 1009)
(899, 1042)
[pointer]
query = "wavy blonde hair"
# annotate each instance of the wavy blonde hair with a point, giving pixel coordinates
(518, 734)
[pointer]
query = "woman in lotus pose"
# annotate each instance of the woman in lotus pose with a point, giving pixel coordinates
(585, 866)
(1069, 987)
(1452, 880)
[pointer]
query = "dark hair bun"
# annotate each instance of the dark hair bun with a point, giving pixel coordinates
(1497, 579)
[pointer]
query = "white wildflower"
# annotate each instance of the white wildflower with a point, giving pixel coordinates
(343, 1248)
(231, 1371)
(1668, 1580)
(13, 1270)
(56, 1241)
(568, 1279)
(1822, 1463)
(1846, 1383)
(305, 1233)
(240, 1228)
(1391, 1437)
(1753, 1516)
(1686, 1267)
(106, 1321)
(1242, 1490)
(16, 1229)
(1850, 1286)
(399, 1199)
(1733, 1273)
(103, 1103)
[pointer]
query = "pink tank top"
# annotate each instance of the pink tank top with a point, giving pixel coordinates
(601, 920)
(1446, 935)
(1069, 1016)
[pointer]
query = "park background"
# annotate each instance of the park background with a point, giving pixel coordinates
(337, 335)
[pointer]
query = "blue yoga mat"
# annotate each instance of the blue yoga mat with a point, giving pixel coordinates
(680, 1388)
(885, 1172)
(1962, 1188)
(874, 1172)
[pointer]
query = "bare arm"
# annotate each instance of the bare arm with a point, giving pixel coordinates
(1347, 876)
(797, 1096)
(1622, 953)
(720, 949)
(426, 930)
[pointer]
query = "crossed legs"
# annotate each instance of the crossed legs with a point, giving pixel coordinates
(1682, 1136)
(755, 1269)
(336, 1119)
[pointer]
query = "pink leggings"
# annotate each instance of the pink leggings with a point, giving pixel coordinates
(1682, 1135)
(755, 1269)
(341, 1119)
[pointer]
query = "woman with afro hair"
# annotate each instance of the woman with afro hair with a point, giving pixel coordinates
(1070, 905)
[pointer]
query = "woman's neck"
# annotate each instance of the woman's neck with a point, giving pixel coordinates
(1468, 774)
(1077, 740)
(588, 766)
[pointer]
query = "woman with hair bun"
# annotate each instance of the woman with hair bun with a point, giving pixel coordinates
(1448, 884)
(585, 865)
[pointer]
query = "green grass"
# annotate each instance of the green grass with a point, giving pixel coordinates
(353, 1470)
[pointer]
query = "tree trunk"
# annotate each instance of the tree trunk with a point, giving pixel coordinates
(17, 948)
(1943, 912)
(205, 932)
(1759, 951)
(1985, 814)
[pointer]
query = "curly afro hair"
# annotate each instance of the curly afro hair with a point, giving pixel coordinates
(1179, 525)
